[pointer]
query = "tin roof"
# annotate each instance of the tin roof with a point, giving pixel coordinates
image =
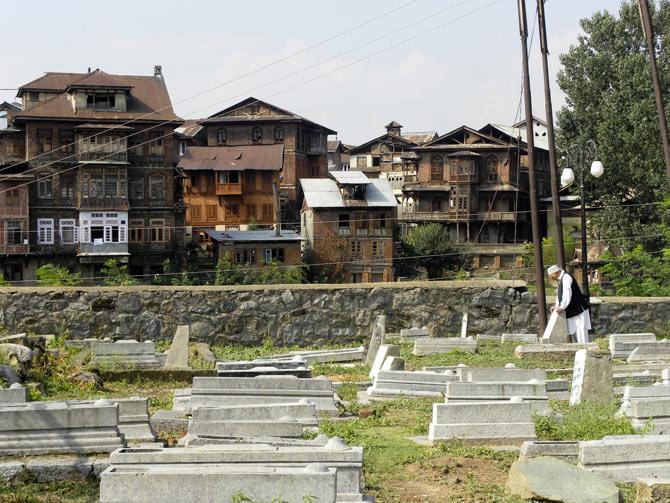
(261, 157)
(325, 193)
(253, 236)
(353, 177)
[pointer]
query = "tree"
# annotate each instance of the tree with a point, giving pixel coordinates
(430, 247)
(607, 81)
(227, 273)
(639, 274)
(55, 275)
(549, 250)
(117, 274)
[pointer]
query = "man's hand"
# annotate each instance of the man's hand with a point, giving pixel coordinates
(556, 310)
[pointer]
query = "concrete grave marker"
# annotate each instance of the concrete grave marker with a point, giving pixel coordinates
(377, 339)
(464, 325)
(557, 329)
(591, 377)
(177, 356)
(385, 351)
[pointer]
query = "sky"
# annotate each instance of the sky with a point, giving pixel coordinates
(353, 66)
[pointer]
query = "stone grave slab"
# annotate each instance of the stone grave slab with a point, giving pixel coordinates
(658, 351)
(124, 353)
(439, 345)
(177, 356)
(385, 350)
(506, 422)
(296, 366)
(591, 377)
(376, 339)
(552, 351)
(622, 345)
(134, 419)
(14, 394)
(534, 392)
(405, 383)
(344, 355)
(561, 449)
(524, 338)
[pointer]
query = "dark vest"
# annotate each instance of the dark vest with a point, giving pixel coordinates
(578, 303)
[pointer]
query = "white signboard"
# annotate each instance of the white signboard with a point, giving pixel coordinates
(464, 325)
(578, 377)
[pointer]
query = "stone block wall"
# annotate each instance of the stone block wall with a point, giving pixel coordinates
(298, 314)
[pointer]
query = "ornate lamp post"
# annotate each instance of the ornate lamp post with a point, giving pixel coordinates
(578, 156)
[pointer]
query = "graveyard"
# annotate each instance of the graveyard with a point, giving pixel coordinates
(413, 416)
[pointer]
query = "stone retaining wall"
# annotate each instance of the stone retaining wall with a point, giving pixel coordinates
(298, 314)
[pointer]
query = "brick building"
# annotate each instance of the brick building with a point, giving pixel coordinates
(100, 149)
(347, 220)
(257, 248)
(255, 122)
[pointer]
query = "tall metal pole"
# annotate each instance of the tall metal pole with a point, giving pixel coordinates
(530, 143)
(549, 110)
(585, 256)
(662, 121)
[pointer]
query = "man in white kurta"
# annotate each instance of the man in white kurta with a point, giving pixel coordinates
(579, 323)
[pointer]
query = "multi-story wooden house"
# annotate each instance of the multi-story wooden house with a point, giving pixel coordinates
(255, 122)
(100, 149)
(347, 223)
(475, 183)
(230, 188)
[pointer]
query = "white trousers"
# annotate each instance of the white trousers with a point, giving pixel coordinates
(579, 326)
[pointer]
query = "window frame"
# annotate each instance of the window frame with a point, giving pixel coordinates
(45, 231)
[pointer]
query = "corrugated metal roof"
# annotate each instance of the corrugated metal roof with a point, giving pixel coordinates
(350, 177)
(261, 157)
(116, 127)
(541, 142)
(420, 137)
(325, 193)
(254, 236)
(190, 128)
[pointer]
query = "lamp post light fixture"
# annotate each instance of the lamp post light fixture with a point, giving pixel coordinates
(578, 156)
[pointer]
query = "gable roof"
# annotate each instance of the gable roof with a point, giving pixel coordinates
(452, 138)
(280, 114)
(148, 96)
(385, 138)
(98, 78)
(420, 137)
(512, 133)
(260, 157)
(353, 177)
(522, 122)
(325, 193)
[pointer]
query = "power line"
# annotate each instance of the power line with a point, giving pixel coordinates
(235, 79)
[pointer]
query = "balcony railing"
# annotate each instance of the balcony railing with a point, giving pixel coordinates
(344, 231)
(103, 249)
(9, 249)
(497, 216)
(103, 157)
(379, 231)
(436, 216)
(228, 189)
(362, 232)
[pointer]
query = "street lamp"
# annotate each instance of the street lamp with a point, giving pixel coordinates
(578, 157)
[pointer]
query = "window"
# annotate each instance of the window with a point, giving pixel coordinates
(44, 142)
(136, 231)
(45, 187)
(245, 256)
(436, 168)
(158, 230)
(463, 203)
(378, 249)
(257, 135)
(196, 212)
(156, 187)
(268, 212)
(137, 188)
(437, 205)
(45, 231)
(279, 134)
(251, 211)
(14, 233)
(266, 178)
(355, 247)
(382, 221)
(111, 184)
(492, 169)
(211, 211)
(233, 210)
(66, 141)
(221, 136)
(362, 161)
(33, 96)
(250, 180)
(12, 197)
(273, 254)
(101, 101)
(376, 161)
(66, 187)
(68, 231)
(97, 186)
(229, 177)
(343, 221)
(182, 148)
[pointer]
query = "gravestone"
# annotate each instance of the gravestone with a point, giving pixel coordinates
(177, 356)
(665, 375)
(411, 334)
(295, 366)
(377, 339)
(385, 350)
(14, 394)
(405, 383)
(325, 355)
(591, 377)
(439, 345)
(464, 325)
(134, 419)
(393, 363)
(621, 345)
(557, 329)
(124, 353)
(658, 351)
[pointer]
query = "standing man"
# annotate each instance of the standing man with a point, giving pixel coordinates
(571, 301)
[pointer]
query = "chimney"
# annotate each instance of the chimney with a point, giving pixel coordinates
(393, 128)
(158, 71)
(89, 69)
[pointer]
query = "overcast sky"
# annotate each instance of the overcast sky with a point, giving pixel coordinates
(465, 72)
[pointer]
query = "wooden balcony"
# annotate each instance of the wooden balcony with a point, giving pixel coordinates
(435, 216)
(98, 156)
(20, 249)
(104, 203)
(228, 189)
(497, 216)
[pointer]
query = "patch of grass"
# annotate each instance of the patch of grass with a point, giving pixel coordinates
(628, 492)
(234, 352)
(458, 449)
(84, 491)
(348, 392)
(586, 421)
(340, 373)
(488, 354)
(603, 343)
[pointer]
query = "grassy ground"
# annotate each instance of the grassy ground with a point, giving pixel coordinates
(396, 468)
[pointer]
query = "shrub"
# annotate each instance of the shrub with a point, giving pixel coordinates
(117, 274)
(55, 275)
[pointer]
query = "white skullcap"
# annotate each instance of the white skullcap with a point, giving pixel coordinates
(553, 270)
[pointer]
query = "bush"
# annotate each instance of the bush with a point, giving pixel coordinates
(55, 275)
(117, 274)
(639, 274)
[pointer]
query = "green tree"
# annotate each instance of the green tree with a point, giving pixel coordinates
(117, 274)
(227, 273)
(639, 274)
(55, 275)
(3, 281)
(607, 81)
(549, 250)
(430, 247)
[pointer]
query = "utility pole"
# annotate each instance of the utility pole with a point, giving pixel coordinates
(549, 110)
(648, 30)
(530, 144)
(275, 194)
